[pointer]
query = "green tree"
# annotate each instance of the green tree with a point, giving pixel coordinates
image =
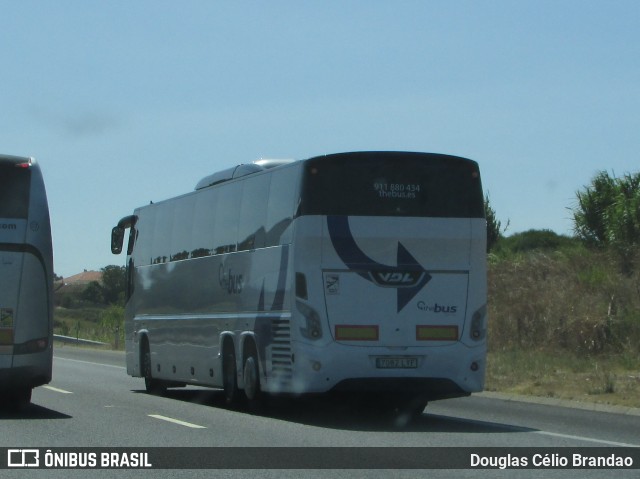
(494, 232)
(536, 240)
(590, 216)
(114, 282)
(608, 214)
(94, 293)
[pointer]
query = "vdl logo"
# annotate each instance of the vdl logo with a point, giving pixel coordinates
(23, 458)
(397, 279)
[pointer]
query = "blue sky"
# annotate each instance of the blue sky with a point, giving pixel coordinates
(123, 102)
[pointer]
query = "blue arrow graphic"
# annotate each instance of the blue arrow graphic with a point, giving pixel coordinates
(408, 277)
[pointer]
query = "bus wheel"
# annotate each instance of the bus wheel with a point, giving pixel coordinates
(19, 400)
(230, 377)
(409, 410)
(153, 386)
(252, 379)
(401, 410)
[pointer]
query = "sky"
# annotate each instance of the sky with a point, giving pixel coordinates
(126, 102)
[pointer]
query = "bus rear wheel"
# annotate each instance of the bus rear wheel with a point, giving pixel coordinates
(153, 386)
(251, 378)
(18, 400)
(408, 410)
(256, 400)
(401, 410)
(230, 377)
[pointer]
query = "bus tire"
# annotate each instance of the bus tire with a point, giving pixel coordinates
(153, 386)
(19, 399)
(251, 376)
(230, 377)
(401, 410)
(416, 406)
(409, 410)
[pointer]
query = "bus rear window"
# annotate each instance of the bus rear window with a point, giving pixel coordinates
(392, 184)
(14, 191)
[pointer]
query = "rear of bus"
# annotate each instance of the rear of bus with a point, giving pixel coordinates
(26, 273)
(390, 263)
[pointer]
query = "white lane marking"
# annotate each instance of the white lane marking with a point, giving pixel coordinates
(563, 436)
(62, 391)
(586, 439)
(176, 421)
(89, 362)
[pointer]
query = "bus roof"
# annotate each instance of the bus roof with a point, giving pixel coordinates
(8, 160)
(265, 164)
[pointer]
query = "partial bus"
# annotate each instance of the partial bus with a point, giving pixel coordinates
(355, 272)
(26, 278)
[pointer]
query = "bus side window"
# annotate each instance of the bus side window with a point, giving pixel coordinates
(130, 271)
(133, 233)
(253, 213)
(181, 233)
(145, 226)
(225, 233)
(203, 223)
(281, 205)
(162, 233)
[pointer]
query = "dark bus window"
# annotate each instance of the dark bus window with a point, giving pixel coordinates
(392, 184)
(182, 227)
(162, 233)
(203, 223)
(253, 212)
(282, 195)
(145, 227)
(225, 232)
(14, 192)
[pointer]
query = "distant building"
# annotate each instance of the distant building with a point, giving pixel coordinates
(69, 290)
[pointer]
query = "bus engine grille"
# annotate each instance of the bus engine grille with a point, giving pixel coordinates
(281, 363)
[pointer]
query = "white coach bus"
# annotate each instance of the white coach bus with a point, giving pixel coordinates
(355, 272)
(26, 281)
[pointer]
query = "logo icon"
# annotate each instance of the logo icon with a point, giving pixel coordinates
(397, 279)
(437, 308)
(332, 284)
(23, 458)
(408, 277)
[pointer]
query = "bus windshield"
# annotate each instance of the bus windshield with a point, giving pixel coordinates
(392, 184)
(14, 191)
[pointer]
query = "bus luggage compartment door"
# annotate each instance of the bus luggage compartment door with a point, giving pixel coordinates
(363, 312)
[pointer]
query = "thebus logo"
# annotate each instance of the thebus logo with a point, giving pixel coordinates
(232, 283)
(437, 308)
(397, 279)
(23, 458)
(8, 226)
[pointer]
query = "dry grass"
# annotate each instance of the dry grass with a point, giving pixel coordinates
(609, 380)
(574, 301)
(564, 324)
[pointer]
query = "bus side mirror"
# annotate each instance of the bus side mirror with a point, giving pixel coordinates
(117, 238)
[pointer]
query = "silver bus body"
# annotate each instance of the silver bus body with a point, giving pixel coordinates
(347, 272)
(26, 276)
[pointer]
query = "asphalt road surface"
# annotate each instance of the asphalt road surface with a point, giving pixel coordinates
(91, 402)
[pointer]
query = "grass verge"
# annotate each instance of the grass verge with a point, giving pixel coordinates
(611, 380)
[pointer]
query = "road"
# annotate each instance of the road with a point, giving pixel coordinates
(91, 402)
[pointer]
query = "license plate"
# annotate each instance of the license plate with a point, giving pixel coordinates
(396, 363)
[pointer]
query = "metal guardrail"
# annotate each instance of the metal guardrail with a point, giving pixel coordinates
(72, 340)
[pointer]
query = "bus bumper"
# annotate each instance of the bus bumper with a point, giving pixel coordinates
(24, 370)
(439, 372)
